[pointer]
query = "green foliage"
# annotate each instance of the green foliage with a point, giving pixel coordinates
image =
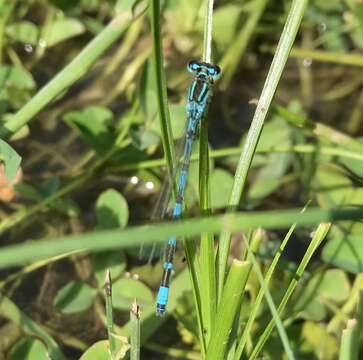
(88, 183)
(29, 349)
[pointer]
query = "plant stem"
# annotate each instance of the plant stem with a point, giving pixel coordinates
(109, 315)
(135, 331)
(274, 75)
(161, 96)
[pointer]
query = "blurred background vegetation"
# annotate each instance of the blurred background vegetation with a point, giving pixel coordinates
(92, 159)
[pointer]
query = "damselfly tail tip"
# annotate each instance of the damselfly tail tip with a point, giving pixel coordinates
(160, 310)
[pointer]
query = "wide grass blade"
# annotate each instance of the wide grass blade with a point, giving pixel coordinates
(134, 236)
(230, 305)
(349, 346)
(274, 75)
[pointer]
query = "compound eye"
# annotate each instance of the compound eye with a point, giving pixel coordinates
(194, 66)
(214, 71)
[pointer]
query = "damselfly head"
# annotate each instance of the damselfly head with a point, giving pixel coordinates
(210, 70)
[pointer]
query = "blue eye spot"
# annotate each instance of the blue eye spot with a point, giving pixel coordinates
(193, 66)
(214, 72)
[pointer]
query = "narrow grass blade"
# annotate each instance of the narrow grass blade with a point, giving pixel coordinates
(109, 315)
(266, 292)
(247, 329)
(208, 26)
(278, 64)
(256, 304)
(134, 236)
(78, 67)
(349, 346)
(207, 254)
(10, 311)
(162, 97)
(319, 236)
(230, 306)
(135, 332)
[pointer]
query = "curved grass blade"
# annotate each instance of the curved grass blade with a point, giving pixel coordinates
(274, 75)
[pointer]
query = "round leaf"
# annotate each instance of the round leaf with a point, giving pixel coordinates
(112, 210)
(114, 261)
(64, 29)
(74, 297)
(125, 291)
(221, 184)
(23, 31)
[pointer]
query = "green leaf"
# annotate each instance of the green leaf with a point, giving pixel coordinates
(76, 296)
(316, 338)
(125, 291)
(221, 185)
(143, 138)
(28, 349)
(100, 350)
(15, 76)
(332, 285)
(334, 187)
(10, 158)
(23, 31)
(93, 123)
(115, 261)
(111, 210)
(225, 21)
(64, 29)
(345, 252)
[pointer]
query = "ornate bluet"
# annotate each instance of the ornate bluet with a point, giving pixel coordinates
(199, 95)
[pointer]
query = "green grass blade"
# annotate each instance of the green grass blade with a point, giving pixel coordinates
(162, 97)
(319, 236)
(230, 305)
(109, 315)
(134, 236)
(349, 346)
(256, 304)
(208, 26)
(135, 331)
(10, 311)
(206, 258)
(278, 64)
(78, 67)
(266, 292)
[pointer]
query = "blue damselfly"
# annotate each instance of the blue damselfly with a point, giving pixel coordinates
(199, 95)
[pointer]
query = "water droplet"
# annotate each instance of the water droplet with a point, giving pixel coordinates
(307, 62)
(134, 180)
(28, 48)
(42, 43)
(149, 185)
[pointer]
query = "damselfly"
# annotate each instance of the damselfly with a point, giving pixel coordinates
(199, 95)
